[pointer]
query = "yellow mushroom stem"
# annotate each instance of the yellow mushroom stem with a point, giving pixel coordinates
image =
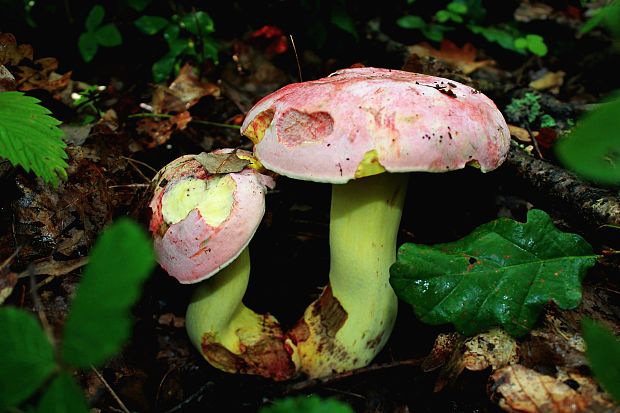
(352, 320)
(232, 337)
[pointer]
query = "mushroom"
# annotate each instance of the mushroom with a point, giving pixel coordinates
(357, 129)
(202, 223)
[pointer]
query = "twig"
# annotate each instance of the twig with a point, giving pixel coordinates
(130, 186)
(6, 262)
(310, 383)
(534, 141)
(111, 390)
(38, 306)
(190, 399)
(596, 206)
(167, 116)
(296, 57)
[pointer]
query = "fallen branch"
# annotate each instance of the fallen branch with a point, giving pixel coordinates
(596, 206)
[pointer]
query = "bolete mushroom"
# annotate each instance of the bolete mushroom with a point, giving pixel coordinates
(358, 129)
(202, 222)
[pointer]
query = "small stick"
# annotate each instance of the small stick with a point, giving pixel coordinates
(111, 390)
(296, 57)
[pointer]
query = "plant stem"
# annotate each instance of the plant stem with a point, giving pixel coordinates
(168, 116)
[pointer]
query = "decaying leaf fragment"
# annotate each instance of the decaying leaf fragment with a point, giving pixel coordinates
(221, 163)
(463, 58)
(183, 93)
(517, 388)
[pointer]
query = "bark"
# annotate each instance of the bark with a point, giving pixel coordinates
(596, 206)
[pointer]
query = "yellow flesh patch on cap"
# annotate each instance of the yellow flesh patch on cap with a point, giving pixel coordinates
(256, 129)
(212, 197)
(253, 162)
(369, 165)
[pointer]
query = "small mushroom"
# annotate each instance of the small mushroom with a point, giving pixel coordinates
(358, 129)
(202, 224)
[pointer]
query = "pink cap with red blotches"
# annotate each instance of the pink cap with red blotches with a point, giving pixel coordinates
(322, 130)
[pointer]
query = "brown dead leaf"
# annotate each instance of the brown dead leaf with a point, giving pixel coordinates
(160, 129)
(493, 349)
(521, 134)
(221, 163)
(551, 81)
(463, 58)
(183, 93)
(29, 74)
(7, 80)
(443, 348)
(12, 54)
(527, 12)
(169, 319)
(519, 389)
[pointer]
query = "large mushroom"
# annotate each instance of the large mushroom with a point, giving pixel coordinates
(202, 223)
(358, 129)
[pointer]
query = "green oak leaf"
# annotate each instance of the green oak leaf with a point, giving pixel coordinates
(502, 274)
(303, 404)
(27, 356)
(99, 320)
(603, 351)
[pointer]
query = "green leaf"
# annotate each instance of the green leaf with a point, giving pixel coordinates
(343, 20)
(151, 24)
(138, 5)
(502, 274)
(442, 16)
(536, 44)
(108, 35)
(603, 351)
(592, 149)
(27, 356)
(311, 404)
(94, 18)
(62, 396)
(210, 50)
(411, 22)
(29, 137)
(503, 37)
(198, 23)
(171, 33)
(457, 7)
(162, 68)
(99, 320)
(88, 45)
(434, 32)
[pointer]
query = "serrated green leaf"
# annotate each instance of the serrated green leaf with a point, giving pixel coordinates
(138, 5)
(457, 7)
(99, 320)
(411, 22)
(592, 149)
(311, 404)
(29, 137)
(27, 356)
(88, 45)
(94, 18)
(603, 351)
(151, 24)
(502, 274)
(62, 396)
(108, 35)
(198, 23)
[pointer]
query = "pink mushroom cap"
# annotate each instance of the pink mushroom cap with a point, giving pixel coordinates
(191, 250)
(322, 130)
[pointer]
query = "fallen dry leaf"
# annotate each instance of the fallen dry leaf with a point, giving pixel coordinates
(12, 54)
(7, 80)
(519, 389)
(526, 12)
(277, 42)
(29, 74)
(183, 93)
(494, 349)
(551, 81)
(463, 58)
(160, 130)
(519, 133)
